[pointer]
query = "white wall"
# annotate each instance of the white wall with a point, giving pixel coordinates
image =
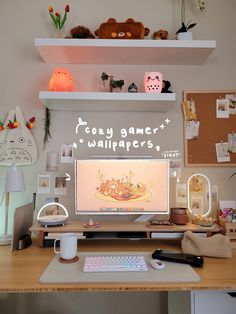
(23, 74)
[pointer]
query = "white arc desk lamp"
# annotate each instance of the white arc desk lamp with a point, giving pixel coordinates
(14, 183)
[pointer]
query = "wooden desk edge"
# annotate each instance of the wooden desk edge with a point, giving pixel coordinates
(118, 288)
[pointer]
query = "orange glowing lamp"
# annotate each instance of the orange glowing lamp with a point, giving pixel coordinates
(61, 81)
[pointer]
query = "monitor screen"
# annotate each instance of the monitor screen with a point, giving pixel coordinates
(122, 186)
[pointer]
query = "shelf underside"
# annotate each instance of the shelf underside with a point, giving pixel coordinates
(109, 51)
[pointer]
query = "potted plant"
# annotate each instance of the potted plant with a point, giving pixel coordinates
(57, 19)
(114, 85)
(183, 32)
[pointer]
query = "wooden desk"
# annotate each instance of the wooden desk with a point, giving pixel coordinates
(20, 270)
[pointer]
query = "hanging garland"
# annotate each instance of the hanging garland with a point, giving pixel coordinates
(14, 124)
(47, 122)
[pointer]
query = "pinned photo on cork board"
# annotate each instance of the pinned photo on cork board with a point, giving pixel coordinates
(222, 152)
(201, 151)
(232, 142)
(222, 108)
(232, 103)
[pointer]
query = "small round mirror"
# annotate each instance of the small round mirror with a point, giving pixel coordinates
(199, 195)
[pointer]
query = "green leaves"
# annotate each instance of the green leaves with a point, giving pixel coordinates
(57, 17)
(184, 28)
(104, 76)
(112, 83)
(47, 123)
(63, 20)
(117, 84)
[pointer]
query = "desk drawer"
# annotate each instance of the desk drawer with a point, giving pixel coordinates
(214, 302)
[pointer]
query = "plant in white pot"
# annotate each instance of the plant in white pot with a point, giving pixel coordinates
(183, 32)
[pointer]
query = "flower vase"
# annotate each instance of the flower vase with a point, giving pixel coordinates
(117, 90)
(59, 33)
(104, 86)
(185, 36)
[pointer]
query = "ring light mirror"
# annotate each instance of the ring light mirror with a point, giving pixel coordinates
(199, 195)
(50, 217)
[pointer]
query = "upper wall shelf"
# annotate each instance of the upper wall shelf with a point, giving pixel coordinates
(120, 51)
(97, 101)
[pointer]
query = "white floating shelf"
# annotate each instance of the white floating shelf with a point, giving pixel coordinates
(122, 51)
(98, 101)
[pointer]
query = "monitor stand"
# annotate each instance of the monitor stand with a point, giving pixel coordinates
(144, 217)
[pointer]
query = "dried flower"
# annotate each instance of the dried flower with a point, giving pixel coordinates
(58, 22)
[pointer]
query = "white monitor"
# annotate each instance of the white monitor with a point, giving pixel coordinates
(122, 186)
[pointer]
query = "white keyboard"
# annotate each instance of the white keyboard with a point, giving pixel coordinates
(114, 263)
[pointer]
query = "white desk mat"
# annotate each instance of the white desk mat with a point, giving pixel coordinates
(57, 272)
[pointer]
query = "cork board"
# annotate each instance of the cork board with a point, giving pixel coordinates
(202, 151)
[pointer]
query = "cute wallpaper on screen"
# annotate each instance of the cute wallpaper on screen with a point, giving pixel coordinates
(122, 185)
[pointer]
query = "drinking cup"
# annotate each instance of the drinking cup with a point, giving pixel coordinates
(68, 245)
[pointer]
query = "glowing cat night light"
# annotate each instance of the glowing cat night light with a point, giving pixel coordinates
(61, 81)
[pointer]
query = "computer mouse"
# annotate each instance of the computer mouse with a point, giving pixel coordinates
(157, 264)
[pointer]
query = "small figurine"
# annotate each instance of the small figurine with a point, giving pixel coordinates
(81, 32)
(165, 87)
(161, 34)
(132, 88)
(91, 224)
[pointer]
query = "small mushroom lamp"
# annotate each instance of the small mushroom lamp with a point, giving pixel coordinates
(153, 82)
(61, 81)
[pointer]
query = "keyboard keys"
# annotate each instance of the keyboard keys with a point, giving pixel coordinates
(114, 263)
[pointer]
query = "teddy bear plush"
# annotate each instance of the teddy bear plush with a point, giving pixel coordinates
(165, 87)
(130, 29)
(81, 32)
(161, 34)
